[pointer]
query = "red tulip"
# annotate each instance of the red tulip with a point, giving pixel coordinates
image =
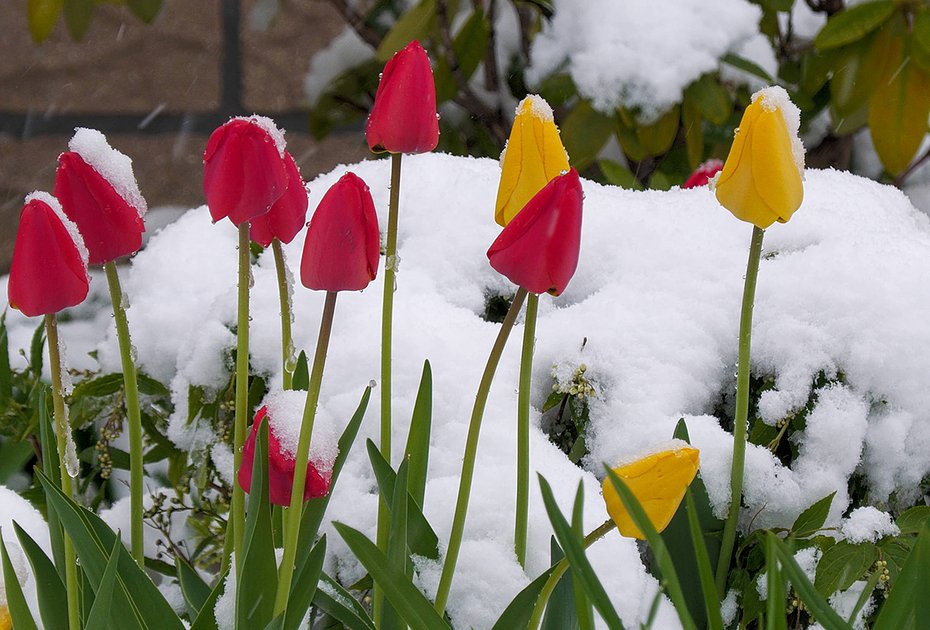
(280, 468)
(403, 119)
(288, 213)
(244, 171)
(538, 250)
(98, 191)
(343, 244)
(703, 173)
(49, 269)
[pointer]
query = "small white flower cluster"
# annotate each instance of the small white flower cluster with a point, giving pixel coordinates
(578, 385)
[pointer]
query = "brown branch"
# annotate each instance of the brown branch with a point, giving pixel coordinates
(357, 23)
(916, 164)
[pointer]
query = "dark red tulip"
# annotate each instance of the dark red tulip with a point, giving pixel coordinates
(98, 191)
(343, 244)
(280, 468)
(244, 172)
(403, 118)
(703, 173)
(287, 215)
(538, 250)
(49, 268)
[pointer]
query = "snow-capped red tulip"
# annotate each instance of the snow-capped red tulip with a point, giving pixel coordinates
(244, 171)
(98, 191)
(703, 173)
(287, 215)
(49, 268)
(761, 181)
(403, 118)
(343, 244)
(658, 481)
(533, 156)
(280, 468)
(538, 250)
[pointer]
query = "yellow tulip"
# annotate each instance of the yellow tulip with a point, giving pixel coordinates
(658, 481)
(533, 156)
(6, 623)
(761, 181)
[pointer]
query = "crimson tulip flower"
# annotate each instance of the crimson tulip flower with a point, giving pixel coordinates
(343, 243)
(49, 268)
(538, 250)
(403, 118)
(244, 169)
(287, 215)
(280, 468)
(703, 174)
(98, 191)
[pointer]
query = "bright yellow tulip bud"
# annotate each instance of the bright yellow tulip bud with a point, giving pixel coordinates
(533, 156)
(761, 181)
(658, 481)
(6, 622)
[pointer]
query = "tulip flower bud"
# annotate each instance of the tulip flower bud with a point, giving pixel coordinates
(280, 468)
(403, 118)
(244, 171)
(533, 156)
(49, 268)
(538, 250)
(703, 174)
(98, 191)
(658, 481)
(288, 213)
(343, 243)
(761, 181)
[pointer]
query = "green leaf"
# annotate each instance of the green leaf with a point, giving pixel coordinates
(520, 609)
(13, 458)
(711, 99)
(910, 521)
(468, 48)
(6, 373)
(560, 610)
(206, 619)
(397, 543)
(584, 611)
(921, 37)
(812, 519)
(15, 600)
(301, 378)
(898, 115)
(50, 590)
(102, 612)
(853, 24)
(78, 14)
(585, 131)
(36, 347)
(52, 467)
(842, 564)
(417, 449)
(814, 601)
(304, 586)
(657, 137)
(416, 23)
(258, 576)
(693, 125)
(193, 588)
(908, 603)
(42, 16)
(619, 175)
(406, 598)
(337, 602)
(145, 10)
(775, 616)
(711, 599)
(574, 550)
(747, 66)
(857, 70)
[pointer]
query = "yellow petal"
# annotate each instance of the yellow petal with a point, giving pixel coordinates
(534, 155)
(6, 622)
(773, 168)
(658, 481)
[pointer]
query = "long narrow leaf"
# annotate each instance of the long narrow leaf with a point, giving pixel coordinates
(560, 610)
(520, 609)
(50, 465)
(417, 450)
(206, 619)
(194, 590)
(584, 611)
(50, 590)
(775, 616)
(304, 586)
(909, 599)
(397, 543)
(335, 601)
(15, 600)
(705, 571)
(814, 601)
(102, 611)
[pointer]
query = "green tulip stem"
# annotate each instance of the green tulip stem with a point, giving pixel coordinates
(471, 451)
(387, 324)
(61, 432)
(294, 512)
(742, 410)
(605, 528)
(284, 296)
(133, 415)
(237, 518)
(523, 429)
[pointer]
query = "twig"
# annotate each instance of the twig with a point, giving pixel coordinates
(916, 164)
(357, 22)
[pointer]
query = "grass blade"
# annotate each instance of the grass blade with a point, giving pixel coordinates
(705, 570)
(15, 600)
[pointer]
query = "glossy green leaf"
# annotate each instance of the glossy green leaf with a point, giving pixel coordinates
(301, 378)
(78, 14)
(853, 24)
(303, 588)
(50, 590)
(15, 600)
(102, 612)
(194, 590)
(711, 99)
(417, 449)
(657, 137)
(842, 564)
(585, 131)
(404, 596)
(910, 521)
(42, 16)
(337, 602)
(145, 10)
(856, 72)
(812, 519)
(921, 35)
(619, 175)
(908, 603)
(469, 48)
(746, 65)
(813, 600)
(693, 125)
(898, 115)
(416, 23)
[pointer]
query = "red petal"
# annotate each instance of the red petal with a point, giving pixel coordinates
(287, 215)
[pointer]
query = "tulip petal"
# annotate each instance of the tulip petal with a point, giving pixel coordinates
(774, 171)
(287, 215)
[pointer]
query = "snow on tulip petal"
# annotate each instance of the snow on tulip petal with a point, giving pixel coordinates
(287, 215)
(49, 268)
(658, 480)
(533, 156)
(538, 250)
(703, 174)
(343, 243)
(280, 468)
(244, 170)
(113, 166)
(109, 222)
(403, 118)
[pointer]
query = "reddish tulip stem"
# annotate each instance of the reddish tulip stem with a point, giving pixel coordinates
(284, 296)
(237, 518)
(471, 451)
(523, 429)
(742, 410)
(294, 512)
(133, 414)
(61, 432)
(387, 323)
